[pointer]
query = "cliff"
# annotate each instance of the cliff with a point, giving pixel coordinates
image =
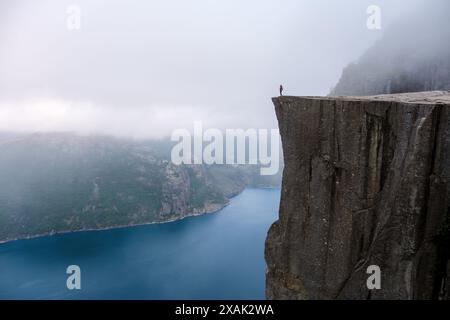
(366, 182)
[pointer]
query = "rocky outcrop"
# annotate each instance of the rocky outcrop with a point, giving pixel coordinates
(366, 182)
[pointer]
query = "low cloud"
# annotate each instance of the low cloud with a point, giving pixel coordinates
(145, 68)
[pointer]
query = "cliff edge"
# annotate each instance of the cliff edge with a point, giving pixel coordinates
(366, 182)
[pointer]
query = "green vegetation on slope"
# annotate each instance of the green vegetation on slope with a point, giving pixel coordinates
(63, 182)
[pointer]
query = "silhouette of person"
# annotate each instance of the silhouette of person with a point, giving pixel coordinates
(281, 90)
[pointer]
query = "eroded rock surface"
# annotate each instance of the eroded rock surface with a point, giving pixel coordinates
(366, 182)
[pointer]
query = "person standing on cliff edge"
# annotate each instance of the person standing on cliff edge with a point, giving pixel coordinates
(281, 90)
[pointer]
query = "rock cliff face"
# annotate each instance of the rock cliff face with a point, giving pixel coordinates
(366, 182)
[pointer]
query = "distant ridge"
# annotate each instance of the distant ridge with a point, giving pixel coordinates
(412, 56)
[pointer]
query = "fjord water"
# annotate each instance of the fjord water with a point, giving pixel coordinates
(215, 256)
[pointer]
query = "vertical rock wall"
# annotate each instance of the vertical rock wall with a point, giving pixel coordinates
(366, 182)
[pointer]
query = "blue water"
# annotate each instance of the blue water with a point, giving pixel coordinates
(217, 256)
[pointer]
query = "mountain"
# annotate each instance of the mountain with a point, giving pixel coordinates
(366, 183)
(367, 180)
(412, 56)
(60, 182)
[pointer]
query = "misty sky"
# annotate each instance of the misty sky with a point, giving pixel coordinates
(144, 68)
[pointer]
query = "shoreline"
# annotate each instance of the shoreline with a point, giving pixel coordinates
(131, 225)
(191, 215)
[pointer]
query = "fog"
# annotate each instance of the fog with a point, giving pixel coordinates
(144, 68)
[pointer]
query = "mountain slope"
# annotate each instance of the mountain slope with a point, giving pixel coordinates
(412, 56)
(63, 182)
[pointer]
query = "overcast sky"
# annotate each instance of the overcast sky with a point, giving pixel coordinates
(144, 68)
